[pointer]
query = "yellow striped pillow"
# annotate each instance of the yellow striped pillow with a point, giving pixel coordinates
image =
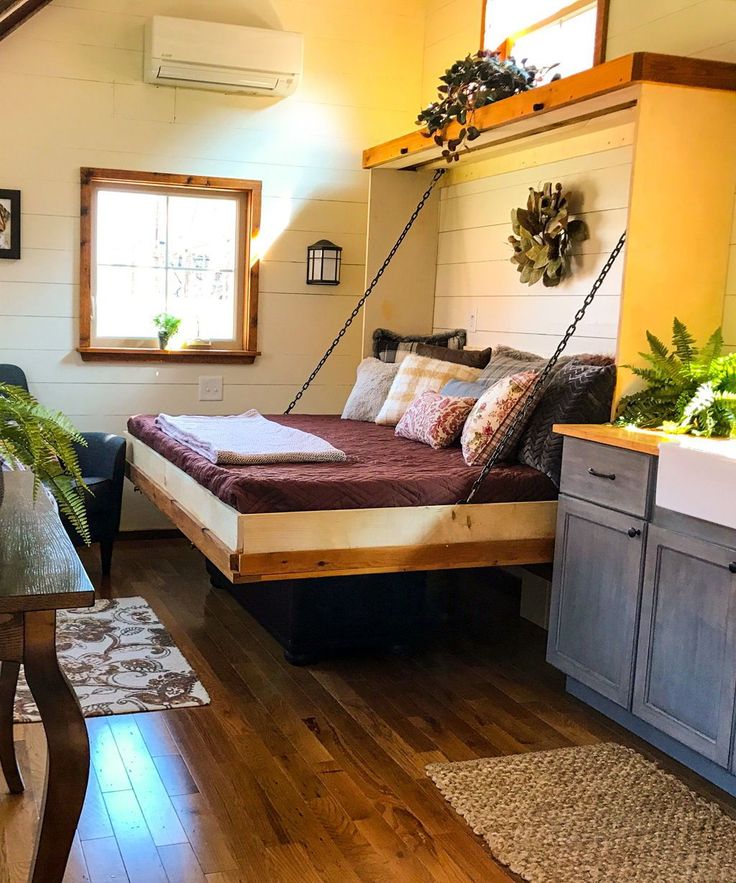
(418, 374)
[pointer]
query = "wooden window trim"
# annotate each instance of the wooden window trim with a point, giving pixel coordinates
(250, 191)
(601, 27)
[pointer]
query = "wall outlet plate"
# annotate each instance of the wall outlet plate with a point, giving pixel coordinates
(210, 388)
(473, 319)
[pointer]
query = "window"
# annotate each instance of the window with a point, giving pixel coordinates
(571, 35)
(155, 243)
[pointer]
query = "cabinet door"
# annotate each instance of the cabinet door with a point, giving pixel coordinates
(686, 664)
(595, 597)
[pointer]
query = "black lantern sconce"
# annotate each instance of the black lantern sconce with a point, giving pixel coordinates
(323, 263)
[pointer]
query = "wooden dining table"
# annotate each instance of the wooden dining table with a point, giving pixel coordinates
(40, 573)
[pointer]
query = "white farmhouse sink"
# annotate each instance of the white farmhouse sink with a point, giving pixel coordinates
(697, 476)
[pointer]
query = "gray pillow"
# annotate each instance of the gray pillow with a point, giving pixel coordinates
(464, 389)
(577, 393)
(371, 389)
(506, 361)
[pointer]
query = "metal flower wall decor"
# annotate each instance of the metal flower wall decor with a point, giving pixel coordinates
(543, 236)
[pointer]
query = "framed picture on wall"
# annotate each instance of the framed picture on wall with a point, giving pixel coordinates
(10, 224)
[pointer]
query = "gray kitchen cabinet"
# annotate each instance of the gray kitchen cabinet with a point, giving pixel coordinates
(595, 596)
(686, 668)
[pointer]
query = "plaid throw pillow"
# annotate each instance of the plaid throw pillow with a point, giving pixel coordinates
(387, 344)
(434, 419)
(416, 375)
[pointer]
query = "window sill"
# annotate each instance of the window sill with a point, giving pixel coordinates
(141, 354)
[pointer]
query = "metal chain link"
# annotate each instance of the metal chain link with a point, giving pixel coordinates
(359, 306)
(516, 416)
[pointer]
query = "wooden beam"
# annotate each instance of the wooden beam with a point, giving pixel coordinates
(414, 149)
(13, 14)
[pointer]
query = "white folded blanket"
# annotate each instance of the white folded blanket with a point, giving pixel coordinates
(248, 438)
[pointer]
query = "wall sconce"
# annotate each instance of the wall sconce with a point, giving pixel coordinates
(323, 263)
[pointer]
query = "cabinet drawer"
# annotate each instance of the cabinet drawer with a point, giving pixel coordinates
(612, 477)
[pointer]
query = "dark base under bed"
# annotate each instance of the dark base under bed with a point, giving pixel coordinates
(315, 618)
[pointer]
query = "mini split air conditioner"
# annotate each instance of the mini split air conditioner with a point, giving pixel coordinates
(224, 58)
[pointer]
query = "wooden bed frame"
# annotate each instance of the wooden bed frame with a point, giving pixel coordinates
(346, 542)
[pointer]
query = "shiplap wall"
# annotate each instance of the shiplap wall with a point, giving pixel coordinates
(73, 96)
(474, 273)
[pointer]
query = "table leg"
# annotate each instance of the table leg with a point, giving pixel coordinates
(68, 748)
(8, 761)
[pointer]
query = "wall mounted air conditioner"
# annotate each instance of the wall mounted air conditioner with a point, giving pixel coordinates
(224, 58)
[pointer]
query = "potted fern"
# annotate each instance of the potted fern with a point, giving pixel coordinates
(39, 447)
(688, 389)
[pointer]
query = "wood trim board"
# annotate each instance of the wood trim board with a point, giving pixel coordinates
(602, 89)
(299, 545)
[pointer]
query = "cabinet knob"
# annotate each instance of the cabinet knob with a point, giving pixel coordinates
(732, 567)
(635, 532)
(611, 476)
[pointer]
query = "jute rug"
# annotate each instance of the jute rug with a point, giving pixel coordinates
(596, 813)
(120, 659)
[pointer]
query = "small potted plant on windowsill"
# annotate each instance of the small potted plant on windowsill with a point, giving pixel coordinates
(38, 446)
(167, 326)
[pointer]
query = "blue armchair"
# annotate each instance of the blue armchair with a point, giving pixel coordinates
(102, 463)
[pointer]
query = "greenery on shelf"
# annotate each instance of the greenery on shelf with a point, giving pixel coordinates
(689, 390)
(543, 234)
(44, 441)
(167, 326)
(469, 84)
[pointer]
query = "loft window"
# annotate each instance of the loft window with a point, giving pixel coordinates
(546, 32)
(155, 243)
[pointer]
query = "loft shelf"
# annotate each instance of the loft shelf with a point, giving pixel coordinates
(614, 85)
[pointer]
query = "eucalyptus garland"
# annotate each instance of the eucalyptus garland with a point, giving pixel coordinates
(469, 84)
(543, 235)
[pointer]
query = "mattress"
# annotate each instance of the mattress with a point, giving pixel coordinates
(381, 471)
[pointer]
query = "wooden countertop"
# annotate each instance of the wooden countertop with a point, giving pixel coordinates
(646, 441)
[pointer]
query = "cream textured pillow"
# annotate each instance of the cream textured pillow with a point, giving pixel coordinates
(417, 374)
(372, 386)
(484, 429)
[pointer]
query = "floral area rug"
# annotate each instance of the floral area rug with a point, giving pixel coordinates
(120, 659)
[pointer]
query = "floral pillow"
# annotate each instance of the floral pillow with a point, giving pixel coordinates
(434, 419)
(484, 429)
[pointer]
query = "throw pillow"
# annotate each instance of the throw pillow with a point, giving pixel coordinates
(507, 361)
(372, 385)
(485, 427)
(471, 358)
(416, 375)
(434, 419)
(464, 390)
(386, 344)
(578, 393)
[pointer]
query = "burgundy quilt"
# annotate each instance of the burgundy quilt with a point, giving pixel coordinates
(382, 470)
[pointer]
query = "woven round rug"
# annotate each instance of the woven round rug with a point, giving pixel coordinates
(591, 814)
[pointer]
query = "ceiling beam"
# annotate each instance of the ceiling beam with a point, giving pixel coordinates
(14, 12)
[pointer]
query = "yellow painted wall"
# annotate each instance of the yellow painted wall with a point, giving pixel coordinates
(73, 96)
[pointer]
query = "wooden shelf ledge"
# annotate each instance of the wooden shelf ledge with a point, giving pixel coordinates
(195, 356)
(645, 441)
(571, 99)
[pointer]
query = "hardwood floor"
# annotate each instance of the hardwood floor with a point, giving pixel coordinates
(291, 774)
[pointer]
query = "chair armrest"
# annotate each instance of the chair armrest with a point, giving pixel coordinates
(104, 456)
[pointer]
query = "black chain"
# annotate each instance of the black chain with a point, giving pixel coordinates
(516, 416)
(359, 306)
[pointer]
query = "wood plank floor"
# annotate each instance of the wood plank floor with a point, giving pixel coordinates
(297, 774)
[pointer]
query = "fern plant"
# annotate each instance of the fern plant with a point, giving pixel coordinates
(44, 442)
(689, 390)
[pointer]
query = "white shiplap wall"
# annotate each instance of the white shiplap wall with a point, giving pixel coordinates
(73, 96)
(474, 273)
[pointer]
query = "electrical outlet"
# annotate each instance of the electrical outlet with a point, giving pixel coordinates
(210, 389)
(473, 319)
